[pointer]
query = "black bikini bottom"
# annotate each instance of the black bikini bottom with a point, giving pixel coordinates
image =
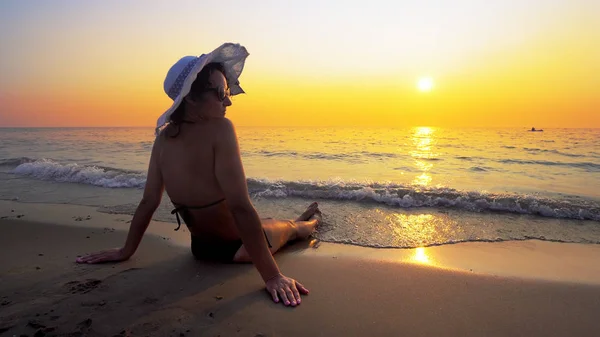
(210, 248)
(215, 249)
(218, 250)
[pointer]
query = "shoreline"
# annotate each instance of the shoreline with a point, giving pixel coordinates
(526, 259)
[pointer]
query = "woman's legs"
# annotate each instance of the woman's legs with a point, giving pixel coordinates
(280, 232)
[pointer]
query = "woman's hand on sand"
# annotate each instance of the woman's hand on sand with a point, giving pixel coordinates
(287, 289)
(110, 255)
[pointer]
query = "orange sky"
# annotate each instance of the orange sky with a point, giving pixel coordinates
(502, 63)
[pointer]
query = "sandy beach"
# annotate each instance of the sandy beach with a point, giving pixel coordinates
(525, 288)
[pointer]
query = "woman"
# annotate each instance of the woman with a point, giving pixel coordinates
(196, 158)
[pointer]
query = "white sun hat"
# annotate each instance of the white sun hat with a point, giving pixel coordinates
(183, 73)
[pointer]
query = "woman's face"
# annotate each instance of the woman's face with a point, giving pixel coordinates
(214, 100)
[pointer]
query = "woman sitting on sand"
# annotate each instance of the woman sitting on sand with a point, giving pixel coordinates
(196, 158)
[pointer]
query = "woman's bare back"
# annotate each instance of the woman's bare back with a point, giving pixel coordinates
(187, 165)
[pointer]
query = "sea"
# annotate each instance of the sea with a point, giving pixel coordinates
(377, 187)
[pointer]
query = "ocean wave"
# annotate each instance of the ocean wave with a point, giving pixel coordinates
(406, 196)
(390, 194)
(478, 169)
(554, 151)
(590, 167)
(534, 150)
(48, 169)
(453, 241)
(13, 162)
(353, 157)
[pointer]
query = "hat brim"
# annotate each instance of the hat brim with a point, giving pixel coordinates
(231, 55)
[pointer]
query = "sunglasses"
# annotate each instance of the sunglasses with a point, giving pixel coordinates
(221, 92)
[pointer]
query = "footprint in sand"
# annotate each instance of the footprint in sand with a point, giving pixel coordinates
(123, 333)
(82, 287)
(8, 216)
(150, 300)
(94, 303)
(36, 324)
(85, 325)
(5, 326)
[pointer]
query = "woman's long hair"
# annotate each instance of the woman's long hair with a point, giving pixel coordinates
(200, 84)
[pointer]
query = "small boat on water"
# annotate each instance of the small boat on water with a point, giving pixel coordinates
(536, 130)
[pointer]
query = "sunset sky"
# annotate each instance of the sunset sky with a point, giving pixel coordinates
(494, 63)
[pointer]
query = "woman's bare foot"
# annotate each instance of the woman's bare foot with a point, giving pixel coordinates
(312, 208)
(306, 228)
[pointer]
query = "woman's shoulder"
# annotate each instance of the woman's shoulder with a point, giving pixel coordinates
(223, 126)
(224, 123)
(215, 129)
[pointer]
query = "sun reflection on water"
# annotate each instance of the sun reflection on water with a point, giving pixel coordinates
(412, 229)
(423, 180)
(423, 154)
(420, 256)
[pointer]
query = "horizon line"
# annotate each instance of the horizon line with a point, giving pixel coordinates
(299, 126)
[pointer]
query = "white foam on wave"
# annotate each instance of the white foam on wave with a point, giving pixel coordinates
(391, 194)
(409, 197)
(47, 169)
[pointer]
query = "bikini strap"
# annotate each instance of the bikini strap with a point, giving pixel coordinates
(205, 206)
(180, 208)
(177, 209)
(176, 212)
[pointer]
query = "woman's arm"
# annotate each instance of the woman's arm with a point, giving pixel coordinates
(232, 179)
(143, 214)
(150, 201)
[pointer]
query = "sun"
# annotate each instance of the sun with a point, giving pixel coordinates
(425, 84)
